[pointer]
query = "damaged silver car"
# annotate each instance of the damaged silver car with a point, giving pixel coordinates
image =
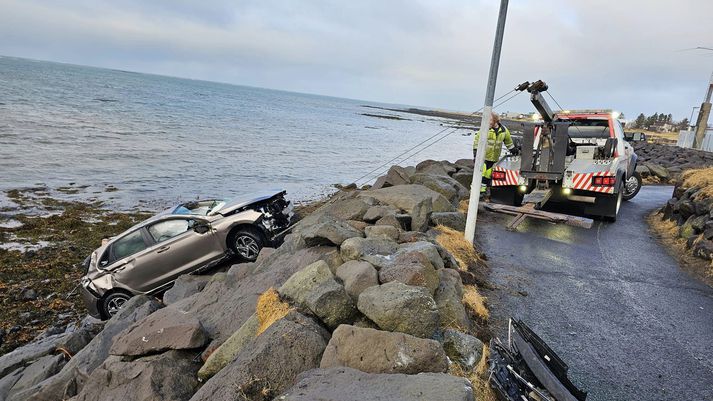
(188, 238)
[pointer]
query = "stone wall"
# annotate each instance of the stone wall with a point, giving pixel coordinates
(659, 163)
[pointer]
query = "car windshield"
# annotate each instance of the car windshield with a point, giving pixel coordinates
(201, 208)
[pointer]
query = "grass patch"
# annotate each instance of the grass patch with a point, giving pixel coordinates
(463, 206)
(478, 377)
(270, 309)
(458, 246)
(667, 232)
(475, 302)
(699, 178)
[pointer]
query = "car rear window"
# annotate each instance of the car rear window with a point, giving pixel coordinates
(589, 129)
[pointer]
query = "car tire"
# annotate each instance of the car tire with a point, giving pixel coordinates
(632, 186)
(246, 243)
(112, 302)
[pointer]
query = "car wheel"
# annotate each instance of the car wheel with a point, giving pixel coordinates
(246, 244)
(112, 303)
(632, 185)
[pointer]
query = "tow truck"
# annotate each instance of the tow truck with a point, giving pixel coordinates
(576, 158)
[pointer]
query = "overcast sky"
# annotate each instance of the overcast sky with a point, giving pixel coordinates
(620, 54)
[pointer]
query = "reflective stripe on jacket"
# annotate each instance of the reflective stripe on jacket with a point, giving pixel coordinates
(496, 139)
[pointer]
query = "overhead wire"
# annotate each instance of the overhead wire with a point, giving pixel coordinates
(452, 130)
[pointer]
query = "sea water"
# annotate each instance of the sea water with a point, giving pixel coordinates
(159, 139)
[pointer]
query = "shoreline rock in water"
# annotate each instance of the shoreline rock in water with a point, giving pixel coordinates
(306, 316)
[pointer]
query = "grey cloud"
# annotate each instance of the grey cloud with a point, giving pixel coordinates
(593, 53)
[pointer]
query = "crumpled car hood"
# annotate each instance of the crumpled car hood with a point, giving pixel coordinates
(247, 199)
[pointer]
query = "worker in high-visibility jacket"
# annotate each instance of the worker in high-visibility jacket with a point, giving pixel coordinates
(498, 135)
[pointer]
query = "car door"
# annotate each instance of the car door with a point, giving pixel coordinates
(179, 249)
(124, 259)
(624, 148)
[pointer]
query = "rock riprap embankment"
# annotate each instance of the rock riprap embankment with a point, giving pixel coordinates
(359, 303)
(691, 209)
(665, 163)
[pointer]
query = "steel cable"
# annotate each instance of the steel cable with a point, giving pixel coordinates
(452, 130)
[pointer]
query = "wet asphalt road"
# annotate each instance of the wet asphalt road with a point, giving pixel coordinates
(609, 300)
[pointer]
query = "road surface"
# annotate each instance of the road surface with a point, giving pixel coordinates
(609, 300)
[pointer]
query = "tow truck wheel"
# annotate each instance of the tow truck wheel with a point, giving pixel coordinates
(632, 185)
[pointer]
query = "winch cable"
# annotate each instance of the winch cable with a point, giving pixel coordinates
(560, 106)
(444, 136)
(452, 130)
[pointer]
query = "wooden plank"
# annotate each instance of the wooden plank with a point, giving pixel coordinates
(528, 210)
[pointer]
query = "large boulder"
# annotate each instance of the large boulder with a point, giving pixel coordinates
(389, 232)
(170, 376)
(398, 175)
(462, 348)
(454, 220)
(376, 351)
(375, 213)
(346, 384)
(226, 303)
(270, 363)
(381, 260)
(450, 188)
(300, 285)
(26, 354)
(399, 307)
(658, 170)
(405, 197)
(70, 380)
(230, 348)
(347, 209)
(164, 329)
(421, 215)
(434, 167)
(38, 371)
(464, 177)
(329, 231)
(448, 297)
(185, 286)
(357, 276)
(361, 248)
(331, 303)
(411, 268)
(390, 220)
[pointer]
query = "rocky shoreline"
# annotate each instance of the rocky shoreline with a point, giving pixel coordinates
(686, 221)
(663, 164)
(374, 287)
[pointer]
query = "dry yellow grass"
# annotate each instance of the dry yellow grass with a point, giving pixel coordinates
(458, 246)
(478, 377)
(270, 309)
(474, 301)
(463, 206)
(699, 178)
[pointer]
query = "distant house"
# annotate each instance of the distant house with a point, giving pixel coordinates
(659, 127)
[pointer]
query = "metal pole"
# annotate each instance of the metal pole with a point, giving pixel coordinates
(485, 124)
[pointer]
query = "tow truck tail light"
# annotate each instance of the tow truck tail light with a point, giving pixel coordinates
(603, 181)
(498, 175)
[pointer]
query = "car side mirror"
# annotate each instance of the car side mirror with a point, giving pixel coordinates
(201, 228)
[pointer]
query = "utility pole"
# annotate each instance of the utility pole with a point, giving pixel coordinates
(702, 122)
(485, 125)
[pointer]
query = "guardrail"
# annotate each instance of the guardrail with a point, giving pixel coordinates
(685, 140)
